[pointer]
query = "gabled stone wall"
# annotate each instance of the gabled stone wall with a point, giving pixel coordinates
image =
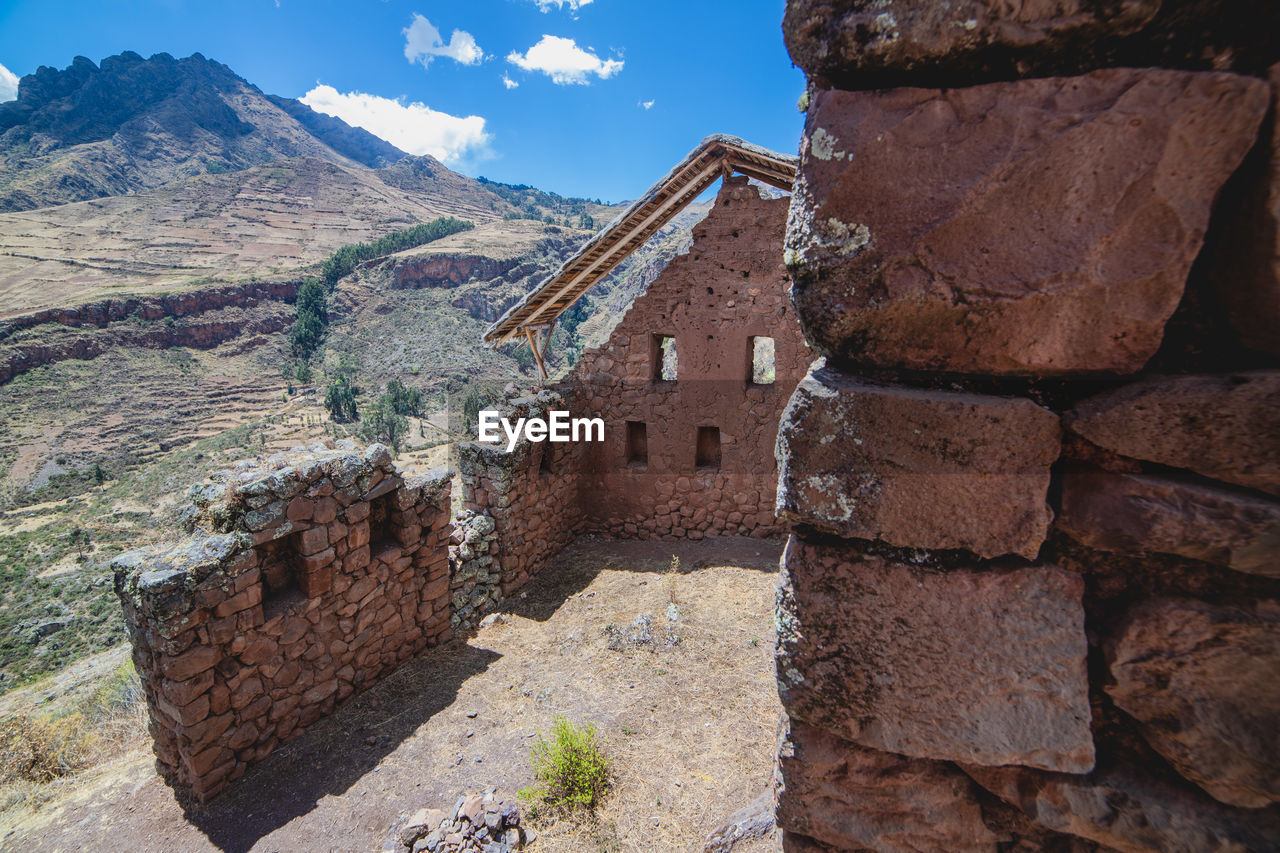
(306, 579)
(646, 480)
(728, 289)
(1031, 598)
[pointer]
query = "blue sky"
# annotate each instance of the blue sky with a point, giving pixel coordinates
(595, 98)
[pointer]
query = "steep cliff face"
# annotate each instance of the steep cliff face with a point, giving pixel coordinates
(200, 319)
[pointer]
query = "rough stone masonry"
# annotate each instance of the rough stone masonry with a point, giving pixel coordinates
(307, 577)
(1030, 596)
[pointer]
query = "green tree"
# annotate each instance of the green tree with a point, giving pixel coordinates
(340, 400)
(381, 422)
(405, 400)
(304, 373)
(312, 318)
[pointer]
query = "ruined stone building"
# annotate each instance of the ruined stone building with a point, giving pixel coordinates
(309, 576)
(1023, 303)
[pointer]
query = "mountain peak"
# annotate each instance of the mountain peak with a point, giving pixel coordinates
(92, 130)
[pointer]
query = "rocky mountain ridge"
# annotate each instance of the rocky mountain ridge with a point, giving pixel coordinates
(129, 124)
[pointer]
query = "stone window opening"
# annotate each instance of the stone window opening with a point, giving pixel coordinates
(707, 452)
(544, 463)
(761, 365)
(637, 444)
(281, 584)
(662, 355)
(380, 531)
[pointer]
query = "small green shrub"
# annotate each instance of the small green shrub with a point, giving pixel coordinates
(571, 770)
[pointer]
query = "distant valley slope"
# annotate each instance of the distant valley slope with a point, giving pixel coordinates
(157, 218)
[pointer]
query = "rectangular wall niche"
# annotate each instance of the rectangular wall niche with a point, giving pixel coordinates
(761, 365)
(662, 356)
(637, 443)
(281, 576)
(708, 451)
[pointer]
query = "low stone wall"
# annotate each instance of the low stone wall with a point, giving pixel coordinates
(307, 578)
(531, 494)
(1031, 598)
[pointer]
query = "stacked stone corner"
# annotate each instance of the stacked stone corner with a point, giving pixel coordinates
(1030, 596)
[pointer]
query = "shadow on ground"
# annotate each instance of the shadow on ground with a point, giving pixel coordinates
(332, 755)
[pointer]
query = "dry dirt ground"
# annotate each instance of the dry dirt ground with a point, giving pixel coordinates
(690, 727)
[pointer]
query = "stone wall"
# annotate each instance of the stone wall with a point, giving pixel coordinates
(306, 579)
(731, 287)
(532, 494)
(1031, 597)
(645, 479)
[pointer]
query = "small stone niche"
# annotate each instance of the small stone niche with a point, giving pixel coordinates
(707, 456)
(282, 577)
(637, 444)
(381, 529)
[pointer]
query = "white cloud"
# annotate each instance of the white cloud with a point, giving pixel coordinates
(508, 82)
(422, 43)
(415, 127)
(645, 105)
(564, 62)
(8, 84)
(574, 5)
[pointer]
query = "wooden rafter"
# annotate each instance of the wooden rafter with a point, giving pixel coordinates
(718, 156)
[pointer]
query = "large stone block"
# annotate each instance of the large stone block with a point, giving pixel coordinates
(1036, 227)
(986, 667)
(921, 469)
(1128, 811)
(1223, 427)
(1203, 682)
(866, 44)
(854, 798)
(1136, 514)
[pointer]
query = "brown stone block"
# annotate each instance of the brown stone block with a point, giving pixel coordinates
(1059, 250)
(312, 541)
(243, 736)
(357, 512)
(241, 601)
(317, 583)
(295, 628)
(184, 692)
(190, 663)
(300, 509)
(1223, 426)
(357, 559)
(986, 667)
(1134, 514)
(219, 699)
(1203, 682)
(854, 798)
(205, 732)
(360, 589)
(246, 580)
(288, 674)
(185, 715)
(358, 534)
(317, 562)
(1124, 809)
(258, 650)
(325, 510)
(914, 468)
